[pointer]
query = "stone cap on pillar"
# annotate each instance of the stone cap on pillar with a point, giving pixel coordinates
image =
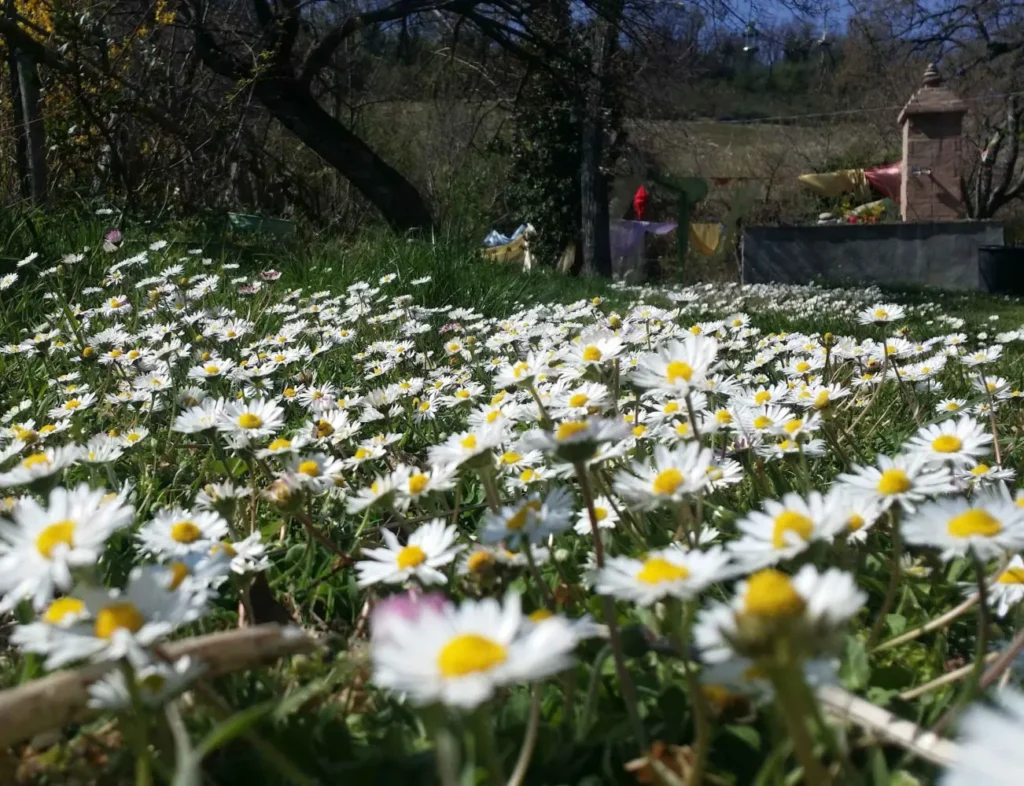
(932, 97)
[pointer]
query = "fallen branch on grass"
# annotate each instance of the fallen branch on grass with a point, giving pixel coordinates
(61, 698)
(886, 726)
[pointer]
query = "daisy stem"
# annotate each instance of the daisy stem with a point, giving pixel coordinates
(139, 728)
(529, 739)
(701, 718)
(446, 749)
(787, 681)
(483, 734)
(590, 704)
(543, 586)
(608, 610)
(693, 417)
(545, 418)
(490, 488)
(992, 418)
(895, 566)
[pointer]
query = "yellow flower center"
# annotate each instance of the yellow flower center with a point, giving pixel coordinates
(249, 420)
(527, 475)
(411, 557)
(62, 607)
(974, 523)
(981, 469)
(946, 443)
(821, 400)
(670, 408)
(179, 572)
(116, 353)
(470, 653)
(677, 370)
(600, 513)
(638, 431)
(60, 532)
(280, 444)
(462, 393)
(324, 429)
(309, 467)
(881, 313)
(186, 532)
(362, 453)
(49, 428)
(88, 352)
(115, 303)
(72, 404)
(518, 519)
(790, 521)
(417, 483)
(468, 442)
(658, 569)
(119, 616)
(1012, 576)
(793, 426)
(570, 429)
(224, 548)
(133, 437)
(723, 416)
(762, 421)
(479, 561)
(519, 369)
(762, 397)
(770, 593)
(35, 460)
(510, 457)
(591, 353)
(540, 615)
(578, 400)
(211, 369)
(855, 522)
(667, 481)
(894, 481)
(803, 366)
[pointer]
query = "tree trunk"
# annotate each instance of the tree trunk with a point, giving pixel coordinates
(597, 258)
(35, 131)
(18, 122)
(298, 111)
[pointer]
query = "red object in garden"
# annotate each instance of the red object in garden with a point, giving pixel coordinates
(885, 179)
(640, 199)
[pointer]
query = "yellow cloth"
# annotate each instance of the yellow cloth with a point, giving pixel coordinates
(833, 184)
(513, 252)
(704, 238)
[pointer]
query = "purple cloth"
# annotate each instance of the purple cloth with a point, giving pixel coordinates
(626, 236)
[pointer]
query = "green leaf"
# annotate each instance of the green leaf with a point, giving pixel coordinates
(856, 670)
(897, 623)
(235, 726)
(747, 734)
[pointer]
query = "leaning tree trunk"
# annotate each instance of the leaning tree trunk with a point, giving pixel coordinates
(18, 125)
(297, 110)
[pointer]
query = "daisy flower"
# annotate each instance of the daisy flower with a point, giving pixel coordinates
(1006, 590)
(317, 471)
(990, 750)
(982, 475)
(669, 572)
(155, 685)
(412, 484)
(42, 545)
(250, 420)
(73, 405)
(806, 610)
(960, 443)
(41, 465)
(881, 313)
(677, 365)
(245, 556)
(461, 655)
(577, 440)
(783, 529)
(905, 479)
(593, 348)
(988, 524)
(175, 532)
(465, 447)
(123, 623)
(533, 519)
(202, 417)
(430, 546)
(604, 512)
(949, 405)
(283, 446)
(670, 476)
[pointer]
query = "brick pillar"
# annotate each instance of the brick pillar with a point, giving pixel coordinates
(932, 124)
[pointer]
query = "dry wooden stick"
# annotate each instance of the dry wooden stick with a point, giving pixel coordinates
(945, 679)
(62, 697)
(891, 728)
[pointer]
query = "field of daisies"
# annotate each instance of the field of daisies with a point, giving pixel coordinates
(363, 532)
